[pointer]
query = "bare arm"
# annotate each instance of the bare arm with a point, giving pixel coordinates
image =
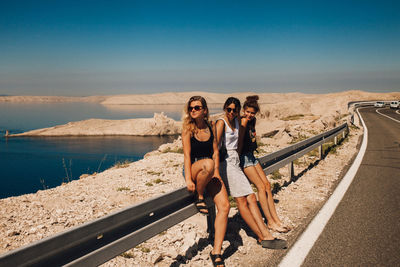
(219, 129)
(254, 126)
(242, 128)
(187, 161)
(216, 152)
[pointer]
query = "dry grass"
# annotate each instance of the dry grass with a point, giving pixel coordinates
(293, 117)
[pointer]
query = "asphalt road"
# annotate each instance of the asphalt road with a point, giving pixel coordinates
(365, 228)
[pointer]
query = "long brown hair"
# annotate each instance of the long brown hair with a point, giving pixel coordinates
(188, 122)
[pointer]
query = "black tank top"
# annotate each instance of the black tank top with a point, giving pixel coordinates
(249, 140)
(201, 149)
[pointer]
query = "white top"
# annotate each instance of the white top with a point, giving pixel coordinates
(231, 136)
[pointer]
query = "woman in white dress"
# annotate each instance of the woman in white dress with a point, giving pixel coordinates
(227, 131)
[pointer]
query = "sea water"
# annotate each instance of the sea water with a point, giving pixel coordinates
(29, 164)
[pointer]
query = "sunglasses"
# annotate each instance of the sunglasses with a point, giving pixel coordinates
(229, 110)
(197, 108)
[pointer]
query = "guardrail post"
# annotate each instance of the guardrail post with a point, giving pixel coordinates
(335, 140)
(320, 150)
(291, 170)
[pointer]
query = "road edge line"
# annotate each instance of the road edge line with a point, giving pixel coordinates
(303, 245)
(387, 116)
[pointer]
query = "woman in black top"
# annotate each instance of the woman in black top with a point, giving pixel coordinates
(252, 168)
(201, 168)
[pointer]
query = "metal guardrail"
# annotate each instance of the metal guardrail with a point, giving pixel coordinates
(96, 242)
(279, 159)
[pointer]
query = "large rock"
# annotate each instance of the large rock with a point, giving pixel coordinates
(160, 124)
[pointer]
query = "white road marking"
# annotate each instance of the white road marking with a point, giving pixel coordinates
(377, 111)
(303, 245)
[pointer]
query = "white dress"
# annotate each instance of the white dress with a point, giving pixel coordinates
(231, 173)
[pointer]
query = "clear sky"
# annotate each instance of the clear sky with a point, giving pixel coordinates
(124, 47)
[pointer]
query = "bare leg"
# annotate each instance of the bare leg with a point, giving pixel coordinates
(218, 192)
(275, 223)
(202, 172)
(255, 211)
(247, 216)
(253, 176)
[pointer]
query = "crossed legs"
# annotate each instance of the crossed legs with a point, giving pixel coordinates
(202, 171)
(251, 214)
(257, 176)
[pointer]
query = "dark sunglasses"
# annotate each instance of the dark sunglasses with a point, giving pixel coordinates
(229, 110)
(197, 108)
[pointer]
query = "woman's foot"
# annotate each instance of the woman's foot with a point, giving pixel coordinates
(217, 260)
(279, 228)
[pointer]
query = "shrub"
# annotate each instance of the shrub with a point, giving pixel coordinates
(313, 153)
(300, 137)
(127, 255)
(341, 116)
(293, 117)
(232, 202)
(255, 190)
(124, 188)
(143, 249)
(122, 164)
(178, 150)
(154, 173)
(276, 175)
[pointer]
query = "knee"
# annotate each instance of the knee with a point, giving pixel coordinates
(261, 187)
(252, 199)
(223, 207)
(241, 202)
(267, 186)
(207, 167)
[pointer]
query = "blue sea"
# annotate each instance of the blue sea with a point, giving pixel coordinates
(29, 164)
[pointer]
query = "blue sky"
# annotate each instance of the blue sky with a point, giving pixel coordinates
(123, 47)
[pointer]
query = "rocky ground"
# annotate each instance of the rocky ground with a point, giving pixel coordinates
(31, 217)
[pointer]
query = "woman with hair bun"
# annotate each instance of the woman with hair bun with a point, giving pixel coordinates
(252, 168)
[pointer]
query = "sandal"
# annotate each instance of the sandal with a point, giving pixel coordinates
(201, 206)
(217, 259)
(273, 244)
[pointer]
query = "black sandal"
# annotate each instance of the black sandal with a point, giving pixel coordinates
(273, 244)
(201, 206)
(215, 257)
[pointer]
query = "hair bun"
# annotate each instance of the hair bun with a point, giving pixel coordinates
(252, 98)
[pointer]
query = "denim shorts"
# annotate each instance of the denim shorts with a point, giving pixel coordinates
(248, 160)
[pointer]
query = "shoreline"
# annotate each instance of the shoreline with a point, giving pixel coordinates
(278, 110)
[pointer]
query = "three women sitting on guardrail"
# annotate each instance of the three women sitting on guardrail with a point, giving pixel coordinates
(252, 168)
(227, 131)
(201, 168)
